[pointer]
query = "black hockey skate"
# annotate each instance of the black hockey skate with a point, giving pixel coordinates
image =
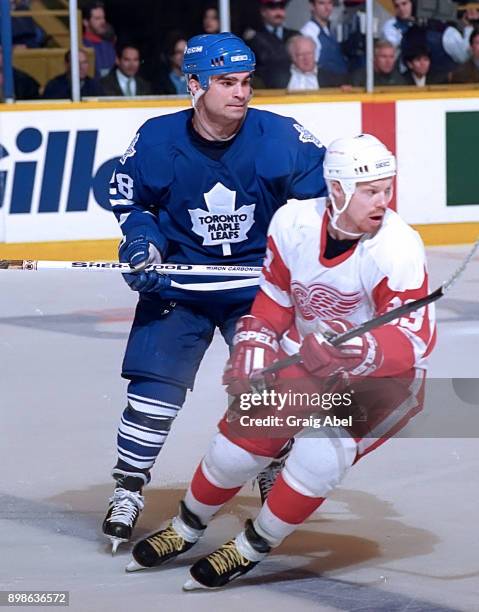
(267, 477)
(181, 533)
(233, 559)
(125, 506)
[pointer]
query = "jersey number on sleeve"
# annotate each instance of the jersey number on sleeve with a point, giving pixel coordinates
(125, 185)
(413, 321)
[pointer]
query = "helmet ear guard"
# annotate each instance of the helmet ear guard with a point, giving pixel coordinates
(209, 55)
(355, 160)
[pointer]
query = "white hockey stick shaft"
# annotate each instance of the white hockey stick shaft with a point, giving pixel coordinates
(108, 266)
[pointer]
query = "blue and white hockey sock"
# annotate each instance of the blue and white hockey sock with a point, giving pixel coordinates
(145, 423)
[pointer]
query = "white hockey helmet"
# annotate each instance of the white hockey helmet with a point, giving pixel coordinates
(355, 160)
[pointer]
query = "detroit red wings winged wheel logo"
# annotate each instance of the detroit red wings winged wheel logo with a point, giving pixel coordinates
(323, 302)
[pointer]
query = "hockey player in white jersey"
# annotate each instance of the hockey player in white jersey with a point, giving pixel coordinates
(331, 263)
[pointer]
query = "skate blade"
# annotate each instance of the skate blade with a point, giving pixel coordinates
(192, 585)
(115, 543)
(134, 566)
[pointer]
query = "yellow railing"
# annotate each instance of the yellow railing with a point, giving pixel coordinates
(57, 31)
(47, 62)
(43, 64)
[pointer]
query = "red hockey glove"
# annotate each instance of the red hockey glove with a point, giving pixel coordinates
(255, 346)
(359, 356)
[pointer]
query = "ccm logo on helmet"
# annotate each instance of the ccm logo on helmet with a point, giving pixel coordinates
(238, 58)
(194, 50)
(383, 164)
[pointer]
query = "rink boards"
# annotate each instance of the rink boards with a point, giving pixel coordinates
(56, 161)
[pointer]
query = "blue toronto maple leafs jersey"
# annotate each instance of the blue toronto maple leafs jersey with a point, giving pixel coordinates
(214, 212)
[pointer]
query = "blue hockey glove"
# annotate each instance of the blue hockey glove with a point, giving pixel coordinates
(147, 282)
(140, 253)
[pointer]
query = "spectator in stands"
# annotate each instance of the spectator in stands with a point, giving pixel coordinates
(269, 45)
(211, 21)
(95, 34)
(60, 87)
(469, 71)
(448, 46)
(469, 14)
(385, 71)
(25, 32)
(353, 34)
(468, 21)
(25, 87)
(330, 59)
(396, 26)
(304, 70)
(169, 78)
(124, 80)
(418, 72)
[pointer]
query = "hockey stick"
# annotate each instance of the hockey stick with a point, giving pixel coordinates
(387, 317)
(166, 268)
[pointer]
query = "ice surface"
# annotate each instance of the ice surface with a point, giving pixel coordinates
(399, 534)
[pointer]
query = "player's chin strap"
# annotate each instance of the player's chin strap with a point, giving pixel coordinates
(337, 212)
(195, 97)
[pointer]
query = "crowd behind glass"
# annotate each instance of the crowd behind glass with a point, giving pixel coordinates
(411, 47)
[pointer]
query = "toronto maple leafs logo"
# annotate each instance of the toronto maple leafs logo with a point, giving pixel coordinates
(322, 301)
(130, 151)
(306, 136)
(221, 224)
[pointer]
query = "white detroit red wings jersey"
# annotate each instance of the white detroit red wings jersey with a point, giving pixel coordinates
(379, 273)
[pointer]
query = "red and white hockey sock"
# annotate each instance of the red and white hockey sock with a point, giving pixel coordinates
(223, 471)
(204, 498)
(283, 511)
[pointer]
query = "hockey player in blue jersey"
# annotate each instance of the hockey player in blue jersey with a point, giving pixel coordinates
(198, 186)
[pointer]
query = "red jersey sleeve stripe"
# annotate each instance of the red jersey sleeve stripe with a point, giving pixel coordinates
(277, 316)
(411, 337)
(275, 270)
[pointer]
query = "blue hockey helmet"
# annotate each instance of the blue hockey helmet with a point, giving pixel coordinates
(207, 55)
